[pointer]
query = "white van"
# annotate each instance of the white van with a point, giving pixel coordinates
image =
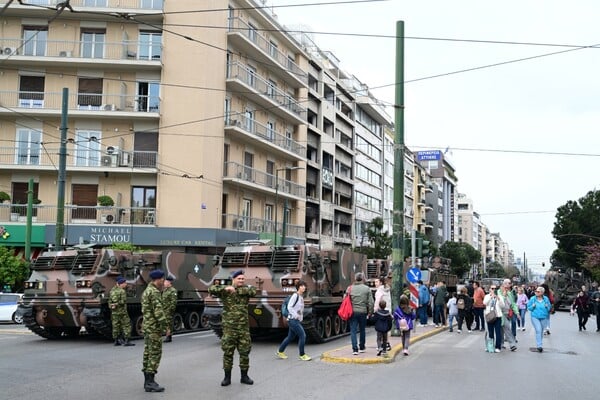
(8, 307)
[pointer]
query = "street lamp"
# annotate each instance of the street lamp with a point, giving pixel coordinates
(277, 194)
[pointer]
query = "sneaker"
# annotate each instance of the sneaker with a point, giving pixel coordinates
(513, 348)
(281, 355)
(355, 353)
(405, 352)
(539, 349)
(482, 330)
(450, 330)
(379, 352)
(459, 331)
(388, 346)
(497, 351)
(470, 331)
(305, 357)
(361, 351)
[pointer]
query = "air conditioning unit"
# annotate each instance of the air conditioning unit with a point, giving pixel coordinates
(65, 54)
(109, 218)
(8, 51)
(124, 159)
(240, 224)
(108, 161)
(109, 107)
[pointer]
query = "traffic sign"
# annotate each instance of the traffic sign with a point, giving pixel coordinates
(413, 275)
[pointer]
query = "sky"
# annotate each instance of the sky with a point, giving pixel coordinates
(523, 136)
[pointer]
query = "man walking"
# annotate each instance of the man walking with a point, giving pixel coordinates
(236, 327)
(424, 298)
(154, 324)
(478, 306)
(121, 324)
(362, 305)
(169, 299)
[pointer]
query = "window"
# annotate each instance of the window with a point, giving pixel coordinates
(152, 4)
(87, 148)
(92, 43)
(230, 17)
(19, 196)
(150, 45)
(271, 131)
(31, 91)
(269, 226)
(273, 50)
(148, 96)
(143, 202)
(34, 40)
(94, 3)
(249, 120)
(90, 93)
(270, 174)
(248, 166)
(227, 107)
(271, 88)
(244, 223)
(86, 198)
(252, 32)
(251, 76)
(28, 147)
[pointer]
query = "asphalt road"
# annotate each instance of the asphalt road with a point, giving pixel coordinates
(443, 366)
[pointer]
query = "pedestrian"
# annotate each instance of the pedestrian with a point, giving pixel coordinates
(478, 306)
(539, 306)
(169, 298)
(382, 292)
(362, 306)
(581, 306)
(154, 325)
(424, 299)
(452, 311)
(508, 305)
(595, 300)
(382, 319)
(494, 325)
(121, 323)
(464, 303)
(522, 300)
(294, 320)
(440, 300)
(236, 326)
(550, 295)
(406, 313)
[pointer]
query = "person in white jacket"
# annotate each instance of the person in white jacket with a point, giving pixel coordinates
(382, 292)
(492, 303)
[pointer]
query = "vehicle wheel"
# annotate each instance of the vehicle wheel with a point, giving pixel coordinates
(204, 321)
(137, 326)
(337, 325)
(17, 319)
(192, 320)
(344, 327)
(328, 326)
(320, 327)
(177, 322)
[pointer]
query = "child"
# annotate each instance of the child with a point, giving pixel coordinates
(383, 323)
(404, 312)
(452, 310)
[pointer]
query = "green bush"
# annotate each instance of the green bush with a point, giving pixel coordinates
(105, 201)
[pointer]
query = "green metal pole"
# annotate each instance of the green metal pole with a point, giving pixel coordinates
(29, 220)
(398, 223)
(62, 166)
(285, 222)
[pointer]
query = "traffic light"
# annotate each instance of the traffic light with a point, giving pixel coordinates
(406, 247)
(425, 251)
(419, 247)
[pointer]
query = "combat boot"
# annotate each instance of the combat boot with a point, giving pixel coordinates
(227, 380)
(126, 342)
(118, 341)
(245, 378)
(151, 385)
(168, 339)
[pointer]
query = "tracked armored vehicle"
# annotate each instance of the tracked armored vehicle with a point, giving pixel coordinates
(274, 271)
(565, 284)
(67, 292)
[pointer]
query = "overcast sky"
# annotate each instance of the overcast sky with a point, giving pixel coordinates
(521, 112)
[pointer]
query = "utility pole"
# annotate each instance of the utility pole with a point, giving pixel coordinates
(398, 222)
(62, 175)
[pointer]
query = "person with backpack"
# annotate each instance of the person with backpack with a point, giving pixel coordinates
(382, 319)
(424, 298)
(452, 307)
(295, 313)
(404, 316)
(464, 303)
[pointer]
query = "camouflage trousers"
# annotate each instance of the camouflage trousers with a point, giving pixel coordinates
(232, 340)
(152, 352)
(121, 325)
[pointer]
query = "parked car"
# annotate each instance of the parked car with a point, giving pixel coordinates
(8, 307)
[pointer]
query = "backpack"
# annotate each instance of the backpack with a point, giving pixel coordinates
(460, 304)
(284, 306)
(403, 324)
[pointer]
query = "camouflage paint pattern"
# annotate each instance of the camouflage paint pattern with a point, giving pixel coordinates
(169, 300)
(565, 284)
(121, 324)
(154, 325)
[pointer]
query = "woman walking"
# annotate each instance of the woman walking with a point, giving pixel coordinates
(539, 306)
(522, 300)
(294, 320)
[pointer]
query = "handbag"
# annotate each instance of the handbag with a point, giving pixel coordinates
(491, 315)
(345, 311)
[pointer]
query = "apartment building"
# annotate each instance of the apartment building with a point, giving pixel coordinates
(192, 123)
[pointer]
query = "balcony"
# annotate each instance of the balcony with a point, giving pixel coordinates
(257, 179)
(80, 5)
(246, 127)
(33, 157)
(80, 104)
(259, 225)
(79, 215)
(262, 50)
(241, 79)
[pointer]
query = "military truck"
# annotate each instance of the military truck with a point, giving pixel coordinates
(67, 292)
(274, 271)
(565, 283)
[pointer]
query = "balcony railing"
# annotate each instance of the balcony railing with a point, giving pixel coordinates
(133, 4)
(238, 25)
(242, 73)
(80, 101)
(126, 50)
(259, 225)
(49, 157)
(264, 132)
(79, 215)
(261, 178)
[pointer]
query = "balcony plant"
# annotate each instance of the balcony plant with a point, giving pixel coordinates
(105, 201)
(4, 197)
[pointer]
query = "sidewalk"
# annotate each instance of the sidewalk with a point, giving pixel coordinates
(344, 354)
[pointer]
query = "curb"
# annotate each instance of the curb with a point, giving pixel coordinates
(329, 357)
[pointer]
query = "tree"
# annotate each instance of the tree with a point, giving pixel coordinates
(577, 226)
(380, 242)
(13, 270)
(463, 256)
(591, 260)
(495, 270)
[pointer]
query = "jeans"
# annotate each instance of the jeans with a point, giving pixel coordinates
(507, 328)
(295, 329)
(495, 332)
(521, 322)
(513, 325)
(540, 325)
(451, 318)
(423, 314)
(479, 319)
(438, 314)
(358, 321)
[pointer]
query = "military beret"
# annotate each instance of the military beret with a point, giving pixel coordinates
(237, 273)
(170, 278)
(120, 280)
(157, 274)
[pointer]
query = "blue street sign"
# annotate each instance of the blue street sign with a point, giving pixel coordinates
(429, 155)
(413, 275)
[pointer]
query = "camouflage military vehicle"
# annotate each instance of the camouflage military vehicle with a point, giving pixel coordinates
(68, 289)
(435, 270)
(274, 270)
(565, 284)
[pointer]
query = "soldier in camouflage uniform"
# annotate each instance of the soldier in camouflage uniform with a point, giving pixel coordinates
(236, 328)
(121, 324)
(169, 299)
(154, 324)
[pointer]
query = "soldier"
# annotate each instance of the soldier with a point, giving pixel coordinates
(236, 328)
(169, 299)
(121, 324)
(154, 324)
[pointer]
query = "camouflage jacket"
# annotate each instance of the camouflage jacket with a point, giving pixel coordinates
(169, 299)
(118, 297)
(235, 305)
(155, 320)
